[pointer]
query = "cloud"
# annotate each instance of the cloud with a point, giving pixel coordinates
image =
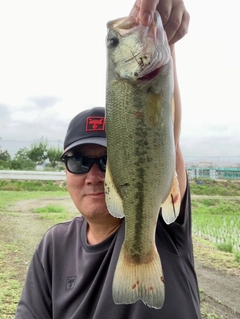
(4, 112)
(24, 134)
(216, 148)
(22, 125)
(43, 102)
(215, 129)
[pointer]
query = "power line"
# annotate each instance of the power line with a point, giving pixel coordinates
(29, 141)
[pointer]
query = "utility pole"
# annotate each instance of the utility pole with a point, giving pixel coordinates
(59, 144)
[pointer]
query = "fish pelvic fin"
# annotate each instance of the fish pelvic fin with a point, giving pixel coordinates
(113, 199)
(171, 206)
(134, 281)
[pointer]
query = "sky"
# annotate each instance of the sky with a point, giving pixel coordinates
(53, 65)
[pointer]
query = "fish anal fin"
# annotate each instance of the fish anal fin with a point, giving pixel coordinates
(113, 199)
(171, 206)
(135, 281)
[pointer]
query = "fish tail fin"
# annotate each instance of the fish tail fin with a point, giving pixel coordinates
(171, 206)
(134, 281)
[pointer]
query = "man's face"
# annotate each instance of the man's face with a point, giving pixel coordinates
(87, 190)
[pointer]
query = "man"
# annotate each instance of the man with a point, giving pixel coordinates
(72, 269)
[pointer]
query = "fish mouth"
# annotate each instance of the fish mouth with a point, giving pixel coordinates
(151, 75)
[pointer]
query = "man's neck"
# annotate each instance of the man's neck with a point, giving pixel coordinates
(97, 233)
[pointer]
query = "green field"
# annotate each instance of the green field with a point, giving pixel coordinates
(219, 221)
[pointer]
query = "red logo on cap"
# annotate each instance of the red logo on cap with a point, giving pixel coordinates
(96, 123)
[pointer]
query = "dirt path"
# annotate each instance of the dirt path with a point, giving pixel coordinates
(221, 291)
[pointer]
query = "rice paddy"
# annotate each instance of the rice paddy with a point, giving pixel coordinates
(219, 221)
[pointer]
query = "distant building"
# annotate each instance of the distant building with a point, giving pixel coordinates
(213, 171)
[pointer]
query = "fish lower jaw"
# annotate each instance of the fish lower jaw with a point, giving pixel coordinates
(138, 75)
(149, 76)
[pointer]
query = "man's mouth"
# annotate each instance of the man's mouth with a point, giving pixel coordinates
(96, 194)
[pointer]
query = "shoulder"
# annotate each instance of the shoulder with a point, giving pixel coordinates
(65, 227)
(61, 234)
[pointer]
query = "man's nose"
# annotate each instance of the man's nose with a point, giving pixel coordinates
(95, 175)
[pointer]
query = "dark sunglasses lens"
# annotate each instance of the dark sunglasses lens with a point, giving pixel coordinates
(82, 165)
(103, 163)
(79, 165)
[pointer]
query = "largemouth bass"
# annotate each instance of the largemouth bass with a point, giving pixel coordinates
(140, 173)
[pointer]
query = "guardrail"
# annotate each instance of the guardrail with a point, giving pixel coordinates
(33, 175)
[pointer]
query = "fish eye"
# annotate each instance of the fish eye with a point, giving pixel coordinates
(113, 42)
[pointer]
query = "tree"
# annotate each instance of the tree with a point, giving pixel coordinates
(5, 156)
(38, 151)
(21, 160)
(5, 160)
(53, 155)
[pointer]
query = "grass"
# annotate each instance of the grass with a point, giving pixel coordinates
(209, 313)
(10, 197)
(9, 279)
(10, 256)
(19, 236)
(228, 247)
(208, 254)
(237, 257)
(218, 220)
(32, 185)
(54, 213)
(212, 187)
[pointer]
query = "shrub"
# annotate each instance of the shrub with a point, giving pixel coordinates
(227, 247)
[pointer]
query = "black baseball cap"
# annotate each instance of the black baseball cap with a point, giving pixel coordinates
(87, 127)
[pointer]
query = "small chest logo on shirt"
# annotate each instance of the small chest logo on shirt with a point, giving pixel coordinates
(70, 282)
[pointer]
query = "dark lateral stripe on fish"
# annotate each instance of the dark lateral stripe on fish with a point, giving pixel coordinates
(140, 154)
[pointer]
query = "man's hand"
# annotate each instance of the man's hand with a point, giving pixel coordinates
(174, 16)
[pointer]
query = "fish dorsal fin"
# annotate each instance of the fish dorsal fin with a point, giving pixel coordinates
(171, 206)
(113, 199)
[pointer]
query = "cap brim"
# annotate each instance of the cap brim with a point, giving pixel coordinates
(91, 140)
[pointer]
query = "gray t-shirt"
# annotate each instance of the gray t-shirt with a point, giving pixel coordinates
(69, 279)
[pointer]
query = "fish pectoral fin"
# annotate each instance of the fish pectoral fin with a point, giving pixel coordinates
(135, 281)
(171, 206)
(113, 199)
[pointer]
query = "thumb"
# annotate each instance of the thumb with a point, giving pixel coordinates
(147, 10)
(144, 10)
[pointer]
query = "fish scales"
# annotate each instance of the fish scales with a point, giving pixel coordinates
(140, 155)
(141, 158)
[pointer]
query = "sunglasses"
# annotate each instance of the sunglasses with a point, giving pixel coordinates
(82, 164)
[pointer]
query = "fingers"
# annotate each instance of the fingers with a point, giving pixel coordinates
(144, 9)
(136, 7)
(164, 8)
(174, 16)
(147, 10)
(177, 25)
(181, 31)
(175, 20)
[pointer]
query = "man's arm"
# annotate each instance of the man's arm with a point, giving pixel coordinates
(174, 16)
(35, 301)
(180, 165)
